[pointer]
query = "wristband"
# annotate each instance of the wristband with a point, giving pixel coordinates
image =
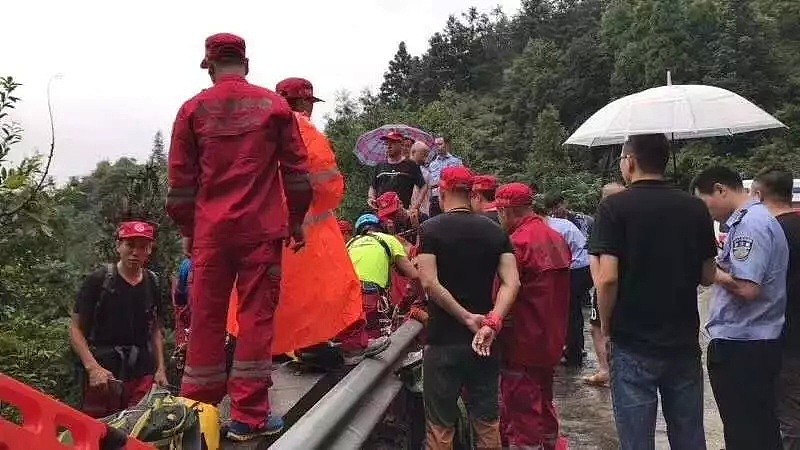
(492, 321)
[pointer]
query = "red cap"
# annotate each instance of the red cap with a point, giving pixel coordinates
(388, 204)
(136, 229)
(296, 88)
(222, 44)
(456, 179)
(393, 136)
(513, 195)
(484, 183)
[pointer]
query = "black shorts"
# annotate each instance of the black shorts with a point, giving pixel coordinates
(452, 370)
(594, 318)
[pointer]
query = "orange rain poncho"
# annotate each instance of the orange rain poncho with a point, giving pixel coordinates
(320, 291)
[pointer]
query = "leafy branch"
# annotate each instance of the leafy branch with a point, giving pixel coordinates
(12, 134)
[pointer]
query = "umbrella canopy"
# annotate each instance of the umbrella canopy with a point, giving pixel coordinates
(679, 111)
(371, 150)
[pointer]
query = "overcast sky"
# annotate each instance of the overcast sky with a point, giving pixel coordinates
(128, 66)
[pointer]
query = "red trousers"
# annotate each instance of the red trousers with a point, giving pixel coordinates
(204, 379)
(356, 337)
(102, 402)
(528, 417)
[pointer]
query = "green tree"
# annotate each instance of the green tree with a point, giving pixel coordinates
(397, 81)
(646, 38)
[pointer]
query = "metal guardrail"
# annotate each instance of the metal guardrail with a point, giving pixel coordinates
(345, 416)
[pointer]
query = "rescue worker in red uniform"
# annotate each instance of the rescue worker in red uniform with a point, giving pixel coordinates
(233, 145)
(531, 343)
(482, 198)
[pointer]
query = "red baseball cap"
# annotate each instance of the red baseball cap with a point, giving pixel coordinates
(136, 229)
(484, 183)
(222, 44)
(393, 136)
(296, 88)
(456, 179)
(388, 204)
(513, 195)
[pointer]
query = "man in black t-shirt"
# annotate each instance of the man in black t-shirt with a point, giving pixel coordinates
(115, 329)
(398, 175)
(773, 187)
(651, 245)
(461, 254)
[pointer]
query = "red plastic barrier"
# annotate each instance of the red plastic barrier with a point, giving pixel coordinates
(42, 417)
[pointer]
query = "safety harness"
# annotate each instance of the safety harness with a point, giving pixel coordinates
(119, 359)
(384, 307)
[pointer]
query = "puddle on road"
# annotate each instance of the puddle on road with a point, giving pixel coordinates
(585, 411)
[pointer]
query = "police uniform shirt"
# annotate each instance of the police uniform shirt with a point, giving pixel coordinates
(756, 251)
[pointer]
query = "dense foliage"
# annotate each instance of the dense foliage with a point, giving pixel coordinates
(506, 90)
(509, 90)
(51, 237)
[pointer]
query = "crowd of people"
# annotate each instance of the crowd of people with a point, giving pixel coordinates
(498, 274)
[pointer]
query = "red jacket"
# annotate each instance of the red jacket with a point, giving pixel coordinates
(537, 330)
(232, 147)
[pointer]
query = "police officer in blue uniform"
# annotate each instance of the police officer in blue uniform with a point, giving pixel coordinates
(747, 312)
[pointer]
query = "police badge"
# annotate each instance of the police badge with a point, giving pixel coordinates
(741, 247)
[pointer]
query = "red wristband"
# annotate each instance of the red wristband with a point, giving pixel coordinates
(492, 321)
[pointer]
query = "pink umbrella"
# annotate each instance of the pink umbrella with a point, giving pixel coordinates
(371, 149)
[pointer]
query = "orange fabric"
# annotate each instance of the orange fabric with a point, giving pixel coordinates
(320, 292)
(232, 326)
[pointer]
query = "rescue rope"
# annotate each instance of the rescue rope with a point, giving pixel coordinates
(385, 319)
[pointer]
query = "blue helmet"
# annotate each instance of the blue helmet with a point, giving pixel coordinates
(366, 219)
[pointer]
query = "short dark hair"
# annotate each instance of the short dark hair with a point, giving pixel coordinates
(228, 59)
(651, 151)
(553, 199)
(487, 195)
(776, 184)
(539, 205)
(704, 182)
(294, 103)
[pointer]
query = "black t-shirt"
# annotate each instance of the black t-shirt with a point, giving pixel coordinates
(661, 236)
(790, 222)
(125, 318)
(398, 177)
(467, 248)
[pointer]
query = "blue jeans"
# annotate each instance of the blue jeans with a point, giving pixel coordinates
(636, 382)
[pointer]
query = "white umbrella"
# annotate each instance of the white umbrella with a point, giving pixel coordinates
(679, 111)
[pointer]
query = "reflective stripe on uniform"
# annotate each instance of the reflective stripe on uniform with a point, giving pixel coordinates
(177, 196)
(313, 220)
(325, 176)
(204, 376)
(251, 369)
(297, 182)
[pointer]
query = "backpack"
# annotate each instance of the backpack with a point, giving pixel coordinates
(166, 422)
(107, 288)
(161, 420)
(116, 359)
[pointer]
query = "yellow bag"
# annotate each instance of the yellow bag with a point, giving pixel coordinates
(209, 422)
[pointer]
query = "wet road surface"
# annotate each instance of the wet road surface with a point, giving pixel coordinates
(585, 411)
